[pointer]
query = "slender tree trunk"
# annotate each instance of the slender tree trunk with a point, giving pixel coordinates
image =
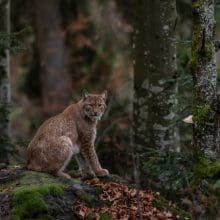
(203, 66)
(154, 71)
(55, 79)
(5, 91)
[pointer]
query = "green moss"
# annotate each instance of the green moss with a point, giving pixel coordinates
(105, 216)
(207, 50)
(206, 169)
(205, 53)
(89, 217)
(201, 113)
(27, 178)
(87, 198)
(196, 38)
(198, 3)
(160, 203)
(28, 200)
(193, 63)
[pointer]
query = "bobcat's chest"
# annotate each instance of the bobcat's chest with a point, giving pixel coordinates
(87, 135)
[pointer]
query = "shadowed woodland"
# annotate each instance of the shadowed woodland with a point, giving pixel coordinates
(159, 136)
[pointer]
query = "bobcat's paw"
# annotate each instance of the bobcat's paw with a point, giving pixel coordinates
(102, 172)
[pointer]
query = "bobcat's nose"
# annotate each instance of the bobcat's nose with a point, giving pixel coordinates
(96, 113)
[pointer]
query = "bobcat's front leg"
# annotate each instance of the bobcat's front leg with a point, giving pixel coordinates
(84, 167)
(88, 152)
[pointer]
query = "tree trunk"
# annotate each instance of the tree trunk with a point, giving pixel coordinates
(5, 92)
(154, 72)
(55, 79)
(203, 66)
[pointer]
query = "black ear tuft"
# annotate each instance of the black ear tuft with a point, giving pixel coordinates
(104, 95)
(85, 94)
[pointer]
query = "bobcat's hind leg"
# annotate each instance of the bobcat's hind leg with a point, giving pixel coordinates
(65, 150)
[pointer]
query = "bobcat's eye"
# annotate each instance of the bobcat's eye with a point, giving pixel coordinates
(99, 105)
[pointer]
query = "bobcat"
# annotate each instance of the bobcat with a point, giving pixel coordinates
(69, 133)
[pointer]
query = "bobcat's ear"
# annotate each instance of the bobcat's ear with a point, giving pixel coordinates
(85, 94)
(104, 95)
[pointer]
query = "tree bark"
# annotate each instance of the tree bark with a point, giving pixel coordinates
(55, 79)
(203, 67)
(154, 72)
(5, 91)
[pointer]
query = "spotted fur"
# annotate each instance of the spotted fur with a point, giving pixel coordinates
(69, 133)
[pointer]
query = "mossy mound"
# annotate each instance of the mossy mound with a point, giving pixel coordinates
(14, 177)
(28, 201)
(34, 195)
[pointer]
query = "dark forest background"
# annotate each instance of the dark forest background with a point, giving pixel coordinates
(63, 47)
(69, 46)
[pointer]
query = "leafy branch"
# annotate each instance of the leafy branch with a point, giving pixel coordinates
(11, 41)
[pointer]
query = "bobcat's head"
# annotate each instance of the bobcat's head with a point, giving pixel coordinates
(93, 105)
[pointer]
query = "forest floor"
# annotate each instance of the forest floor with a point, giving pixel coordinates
(32, 195)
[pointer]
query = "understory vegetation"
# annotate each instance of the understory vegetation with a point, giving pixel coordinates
(193, 182)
